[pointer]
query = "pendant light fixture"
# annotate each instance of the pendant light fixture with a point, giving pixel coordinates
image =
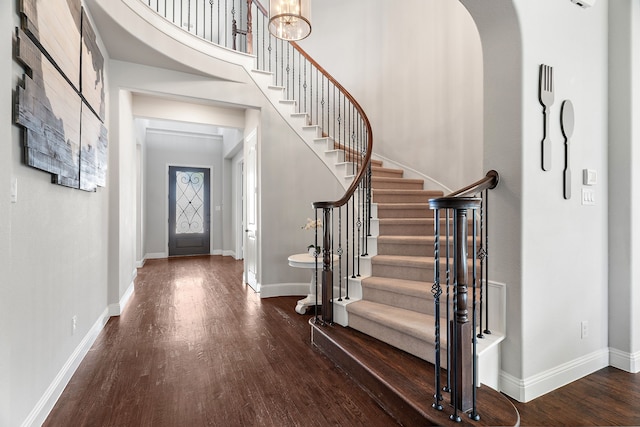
(290, 19)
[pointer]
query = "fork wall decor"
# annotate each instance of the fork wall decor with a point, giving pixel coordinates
(546, 99)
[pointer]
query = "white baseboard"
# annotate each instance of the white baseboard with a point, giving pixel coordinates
(525, 390)
(140, 263)
(117, 308)
(629, 362)
(155, 255)
(229, 253)
(48, 400)
(216, 252)
(283, 289)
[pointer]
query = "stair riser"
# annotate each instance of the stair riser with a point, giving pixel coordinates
(420, 274)
(401, 198)
(421, 304)
(384, 212)
(406, 229)
(419, 348)
(386, 174)
(410, 272)
(422, 249)
(419, 228)
(396, 185)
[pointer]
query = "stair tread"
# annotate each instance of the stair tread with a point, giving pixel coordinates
(387, 170)
(407, 260)
(407, 239)
(413, 239)
(394, 179)
(401, 191)
(406, 220)
(415, 205)
(406, 321)
(400, 286)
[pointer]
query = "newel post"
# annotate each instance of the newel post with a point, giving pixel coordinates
(327, 267)
(460, 370)
(461, 328)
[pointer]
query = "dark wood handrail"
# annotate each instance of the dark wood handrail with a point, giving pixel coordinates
(489, 182)
(367, 160)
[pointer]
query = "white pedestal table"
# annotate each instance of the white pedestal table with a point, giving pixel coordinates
(309, 262)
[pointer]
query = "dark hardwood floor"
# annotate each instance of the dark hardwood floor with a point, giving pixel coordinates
(195, 346)
(608, 397)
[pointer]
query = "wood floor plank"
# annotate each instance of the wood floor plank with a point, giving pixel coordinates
(608, 397)
(196, 346)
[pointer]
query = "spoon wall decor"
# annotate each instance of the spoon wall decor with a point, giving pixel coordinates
(567, 121)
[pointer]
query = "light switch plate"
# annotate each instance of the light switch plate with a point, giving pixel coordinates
(589, 177)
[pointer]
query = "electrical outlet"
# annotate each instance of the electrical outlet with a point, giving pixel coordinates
(74, 324)
(584, 329)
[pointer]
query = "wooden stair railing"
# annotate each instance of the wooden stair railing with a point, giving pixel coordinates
(462, 330)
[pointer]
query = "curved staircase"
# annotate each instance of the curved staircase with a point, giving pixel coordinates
(397, 304)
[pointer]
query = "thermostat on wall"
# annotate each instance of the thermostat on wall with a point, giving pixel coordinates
(584, 3)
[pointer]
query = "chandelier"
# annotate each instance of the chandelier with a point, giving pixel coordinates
(290, 19)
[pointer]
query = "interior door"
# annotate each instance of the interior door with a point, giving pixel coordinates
(189, 211)
(251, 212)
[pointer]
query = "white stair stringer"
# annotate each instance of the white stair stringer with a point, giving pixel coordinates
(311, 134)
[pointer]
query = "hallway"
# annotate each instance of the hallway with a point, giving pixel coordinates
(195, 346)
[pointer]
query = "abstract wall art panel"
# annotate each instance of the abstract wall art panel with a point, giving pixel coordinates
(93, 158)
(92, 75)
(61, 101)
(49, 110)
(55, 26)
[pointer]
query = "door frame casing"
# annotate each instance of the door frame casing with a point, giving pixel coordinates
(166, 203)
(255, 284)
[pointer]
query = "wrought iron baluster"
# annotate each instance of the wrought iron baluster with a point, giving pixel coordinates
(196, 18)
(474, 410)
(316, 254)
(448, 271)
(436, 290)
(481, 257)
(353, 237)
(304, 86)
(486, 262)
(453, 330)
(339, 252)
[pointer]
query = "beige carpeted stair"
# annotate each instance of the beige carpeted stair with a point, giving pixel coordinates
(397, 303)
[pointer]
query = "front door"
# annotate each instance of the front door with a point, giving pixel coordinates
(189, 211)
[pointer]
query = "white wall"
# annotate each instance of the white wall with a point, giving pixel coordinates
(551, 252)
(53, 258)
(624, 182)
(287, 192)
(179, 149)
(122, 198)
(187, 112)
(416, 69)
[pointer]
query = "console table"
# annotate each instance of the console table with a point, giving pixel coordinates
(309, 262)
